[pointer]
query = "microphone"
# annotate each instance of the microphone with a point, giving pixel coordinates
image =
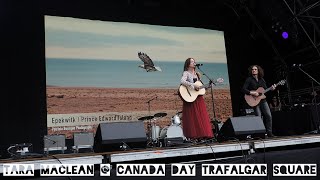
(199, 65)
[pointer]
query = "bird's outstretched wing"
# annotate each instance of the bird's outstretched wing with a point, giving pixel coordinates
(148, 63)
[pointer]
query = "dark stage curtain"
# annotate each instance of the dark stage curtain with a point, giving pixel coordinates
(296, 121)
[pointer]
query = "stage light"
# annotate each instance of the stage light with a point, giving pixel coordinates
(285, 35)
(276, 27)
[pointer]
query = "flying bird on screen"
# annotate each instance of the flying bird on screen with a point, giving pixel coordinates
(148, 63)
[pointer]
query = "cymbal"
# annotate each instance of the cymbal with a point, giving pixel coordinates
(161, 114)
(145, 118)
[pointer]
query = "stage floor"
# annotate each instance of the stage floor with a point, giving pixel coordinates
(183, 151)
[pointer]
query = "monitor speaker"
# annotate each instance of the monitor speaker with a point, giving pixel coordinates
(120, 136)
(84, 141)
(55, 142)
(241, 128)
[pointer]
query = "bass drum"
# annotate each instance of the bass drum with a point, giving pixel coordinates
(172, 131)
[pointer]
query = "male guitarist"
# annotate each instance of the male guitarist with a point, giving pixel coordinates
(252, 83)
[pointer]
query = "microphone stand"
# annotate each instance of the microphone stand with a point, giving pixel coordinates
(215, 120)
(148, 102)
(150, 122)
(315, 100)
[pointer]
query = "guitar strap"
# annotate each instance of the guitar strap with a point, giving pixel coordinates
(266, 86)
(264, 81)
(199, 77)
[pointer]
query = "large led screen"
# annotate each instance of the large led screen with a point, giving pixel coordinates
(94, 73)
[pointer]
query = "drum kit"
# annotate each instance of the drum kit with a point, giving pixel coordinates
(158, 136)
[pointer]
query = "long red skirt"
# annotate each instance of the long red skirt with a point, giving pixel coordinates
(196, 120)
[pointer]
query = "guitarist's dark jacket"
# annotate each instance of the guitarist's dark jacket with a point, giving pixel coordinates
(251, 84)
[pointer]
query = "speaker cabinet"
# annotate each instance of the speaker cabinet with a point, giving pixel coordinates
(120, 136)
(242, 127)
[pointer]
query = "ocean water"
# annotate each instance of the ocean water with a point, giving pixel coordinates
(123, 74)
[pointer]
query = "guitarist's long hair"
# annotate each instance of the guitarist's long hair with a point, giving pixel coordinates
(260, 71)
(186, 66)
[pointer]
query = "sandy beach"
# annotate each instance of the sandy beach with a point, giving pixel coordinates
(68, 100)
(62, 100)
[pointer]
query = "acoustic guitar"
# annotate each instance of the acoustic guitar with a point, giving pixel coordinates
(189, 95)
(255, 100)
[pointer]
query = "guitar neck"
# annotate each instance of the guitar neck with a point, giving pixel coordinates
(210, 83)
(205, 86)
(268, 89)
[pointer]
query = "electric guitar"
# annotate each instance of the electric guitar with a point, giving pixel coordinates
(189, 95)
(255, 100)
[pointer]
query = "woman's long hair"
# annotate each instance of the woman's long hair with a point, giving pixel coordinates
(260, 71)
(186, 66)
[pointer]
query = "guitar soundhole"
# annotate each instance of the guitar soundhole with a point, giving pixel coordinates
(195, 80)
